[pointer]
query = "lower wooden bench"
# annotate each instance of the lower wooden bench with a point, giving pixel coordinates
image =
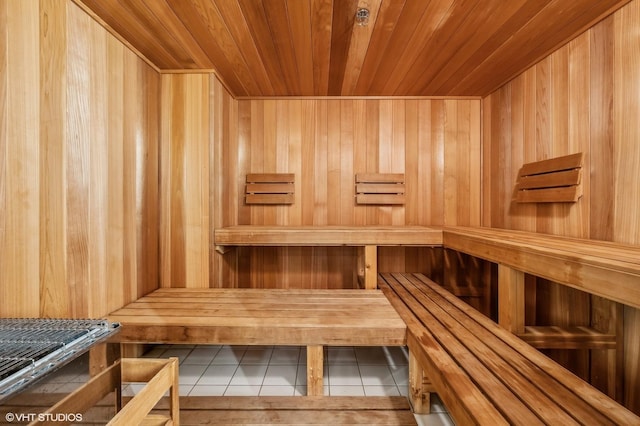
(483, 373)
(311, 318)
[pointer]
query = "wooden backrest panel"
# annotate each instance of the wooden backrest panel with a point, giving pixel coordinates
(270, 188)
(380, 188)
(555, 180)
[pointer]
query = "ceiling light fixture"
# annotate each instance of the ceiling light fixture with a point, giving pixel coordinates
(362, 16)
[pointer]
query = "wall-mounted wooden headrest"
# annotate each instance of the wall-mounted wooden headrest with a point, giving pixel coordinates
(270, 188)
(557, 180)
(380, 188)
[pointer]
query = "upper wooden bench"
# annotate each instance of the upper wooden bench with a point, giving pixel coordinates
(366, 238)
(606, 269)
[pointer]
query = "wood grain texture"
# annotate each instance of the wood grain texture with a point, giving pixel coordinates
(19, 97)
(315, 47)
(325, 143)
(185, 221)
(79, 231)
(583, 97)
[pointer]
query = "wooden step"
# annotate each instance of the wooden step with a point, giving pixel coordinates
(299, 410)
(267, 410)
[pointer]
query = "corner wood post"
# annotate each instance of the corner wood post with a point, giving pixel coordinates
(420, 387)
(511, 299)
(315, 370)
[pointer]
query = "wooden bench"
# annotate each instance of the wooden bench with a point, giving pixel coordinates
(483, 373)
(311, 318)
(366, 238)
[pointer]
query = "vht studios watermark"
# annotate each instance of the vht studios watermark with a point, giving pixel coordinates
(43, 417)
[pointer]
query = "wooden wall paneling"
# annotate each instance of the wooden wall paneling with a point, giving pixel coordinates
(334, 163)
(472, 118)
(77, 169)
(529, 152)
(437, 148)
(544, 117)
(488, 128)
(185, 156)
(321, 204)
(360, 148)
(75, 92)
(579, 57)
(146, 134)
(197, 182)
(54, 301)
(414, 197)
(19, 280)
(601, 159)
(398, 153)
(114, 173)
(372, 156)
(325, 142)
(307, 181)
(171, 234)
(626, 129)
(385, 149)
(5, 290)
(626, 109)
(346, 188)
(451, 168)
(249, 140)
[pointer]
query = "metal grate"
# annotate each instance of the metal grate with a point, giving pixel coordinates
(31, 348)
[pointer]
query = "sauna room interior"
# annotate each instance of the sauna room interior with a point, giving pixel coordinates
(149, 146)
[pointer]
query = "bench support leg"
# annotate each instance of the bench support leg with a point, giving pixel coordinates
(420, 396)
(511, 299)
(368, 266)
(315, 370)
(102, 356)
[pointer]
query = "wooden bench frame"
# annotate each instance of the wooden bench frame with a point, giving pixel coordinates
(311, 318)
(583, 264)
(483, 373)
(366, 238)
(160, 375)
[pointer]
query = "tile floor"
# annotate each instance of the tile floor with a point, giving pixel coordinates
(275, 371)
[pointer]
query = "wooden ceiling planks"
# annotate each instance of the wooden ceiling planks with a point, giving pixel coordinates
(314, 47)
(542, 34)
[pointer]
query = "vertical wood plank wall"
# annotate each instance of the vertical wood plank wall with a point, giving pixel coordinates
(325, 142)
(191, 113)
(78, 165)
(584, 97)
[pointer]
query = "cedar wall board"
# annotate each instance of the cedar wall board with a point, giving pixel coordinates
(585, 97)
(78, 165)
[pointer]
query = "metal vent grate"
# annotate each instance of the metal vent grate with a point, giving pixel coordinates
(31, 348)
